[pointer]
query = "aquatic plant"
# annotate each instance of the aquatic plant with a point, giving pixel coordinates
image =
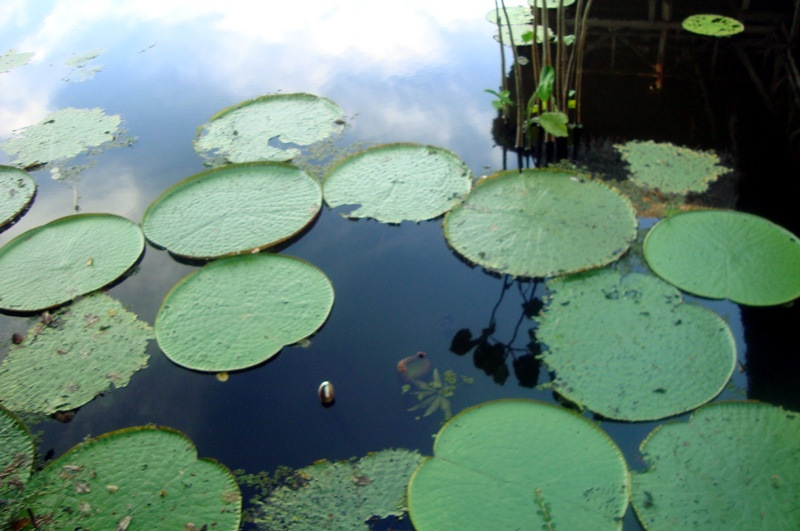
(13, 59)
(16, 193)
(435, 395)
(712, 25)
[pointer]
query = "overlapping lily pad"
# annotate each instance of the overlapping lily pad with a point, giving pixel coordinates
(240, 311)
(520, 464)
(144, 477)
(726, 254)
(68, 257)
(539, 223)
(16, 456)
(73, 355)
(271, 127)
(232, 209)
(734, 465)
(712, 25)
(16, 192)
(397, 182)
(629, 348)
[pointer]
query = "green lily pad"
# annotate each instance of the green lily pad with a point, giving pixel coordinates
(16, 192)
(518, 30)
(697, 470)
(520, 464)
(13, 59)
(84, 350)
(516, 14)
(726, 254)
(232, 209)
(712, 25)
(240, 311)
(61, 135)
(397, 182)
(271, 127)
(629, 348)
(341, 495)
(539, 223)
(670, 168)
(551, 4)
(16, 456)
(145, 477)
(68, 257)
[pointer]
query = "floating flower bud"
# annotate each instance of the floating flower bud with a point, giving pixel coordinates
(326, 395)
(414, 367)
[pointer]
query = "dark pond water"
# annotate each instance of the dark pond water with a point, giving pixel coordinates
(414, 72)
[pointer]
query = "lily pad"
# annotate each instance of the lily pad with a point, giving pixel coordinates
(68, 257)
(74, 355)
(629, 348)
(516, 14)
(145, 477)
(341, 495)
(232, 209)
(726, 254)
(61, 135)
(397, 182)
(696, 470)
(520, 464)
(16, 192)
(551, 4)
(539, 223)
(240, 311)
(271, 127)
(712, 25)
(670, 168)
(13, 59)
(16, 456)
(520, 33)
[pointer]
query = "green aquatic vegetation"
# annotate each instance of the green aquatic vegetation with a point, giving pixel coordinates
(733, 465)
(69, 357)
(435, 395)
(63, 134)
(13, 59)
(80, 69)
(712, 25)
(516, 15)
(16, 193)
(340, 495)
(16, 465)
(726, 254)
(490, 460)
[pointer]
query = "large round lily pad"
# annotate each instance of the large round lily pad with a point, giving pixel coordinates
(271, 127)
(232, 209)
(76, 354)
(734, 465)
(397, 182)
(240, 311)
(520, 464)
(16, 456)
(16, 192)
(726, 254)
(629, 348)
(539, 223)
(712, 25)
(68, 257)
(144, 477)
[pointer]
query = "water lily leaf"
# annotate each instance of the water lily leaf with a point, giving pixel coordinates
(16, 455)
(270, 127)
(71, 256)
(516, 14)
(146, 476)
(523, 34)
(13, 59)
(231, 209)
(692, 467)
(538, 223)
(629, 348)
(240, 311)
(61, 135)
(713, 25)
(341, 495)
(84, 350)
(16, 192)
(726, 254)
(670, 168)
(397, 182)
(520, 464)
(550, 4)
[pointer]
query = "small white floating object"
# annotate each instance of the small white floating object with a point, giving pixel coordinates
(325, 393)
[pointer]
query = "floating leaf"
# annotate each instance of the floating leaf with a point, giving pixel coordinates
(146, 476)
(271, 127)
(670, 168)
(629, 348)
(712, 25)
(523, 34)
(550, 4)
(696, 470)
(84, 350)
(68, 257)
(397, 182)
(726, 254)
(240, 311)
(79, 66)
(538, 223)
(231, 209)
(62, 134)
(341, 495)
(16, 455)
(516, 14)
(13, 59)
(16, 192)
(490, 461)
